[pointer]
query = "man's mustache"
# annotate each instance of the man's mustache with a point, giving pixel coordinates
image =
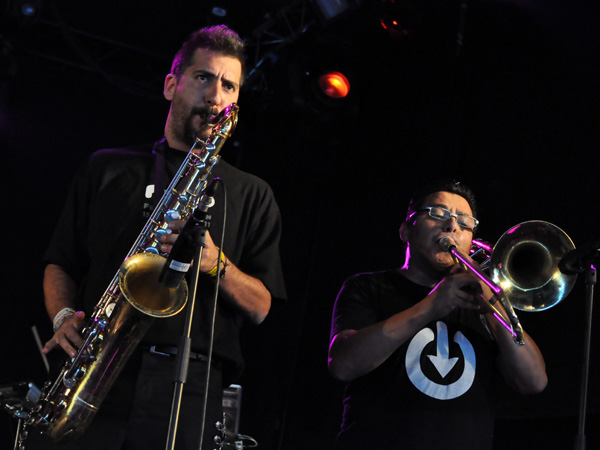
(206, 113)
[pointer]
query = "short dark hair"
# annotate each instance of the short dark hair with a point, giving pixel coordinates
(219, 38)
(442, 185)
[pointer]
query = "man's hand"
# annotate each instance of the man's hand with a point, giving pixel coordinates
(459, 289)
(68, 336)
(210, 253)
(242, 291)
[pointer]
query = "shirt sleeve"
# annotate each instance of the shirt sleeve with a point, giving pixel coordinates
(261, 257)
(66, 247)
(353, 308)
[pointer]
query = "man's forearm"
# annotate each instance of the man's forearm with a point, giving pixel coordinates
(246, 293)
(59, 290)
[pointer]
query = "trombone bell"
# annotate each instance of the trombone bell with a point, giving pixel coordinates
(524, 263)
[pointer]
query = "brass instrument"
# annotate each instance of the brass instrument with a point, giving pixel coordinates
(131, 302)
(523, 267)
(524, 263)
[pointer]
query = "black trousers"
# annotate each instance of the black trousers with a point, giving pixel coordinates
(135, 414)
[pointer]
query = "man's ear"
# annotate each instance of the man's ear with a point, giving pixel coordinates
(170, 86)
(405, 228)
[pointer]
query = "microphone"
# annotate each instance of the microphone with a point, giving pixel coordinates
(182, 253)
(446, 243)
(579, 259)
(208, 195)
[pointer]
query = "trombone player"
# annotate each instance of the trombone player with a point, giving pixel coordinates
(418, 351)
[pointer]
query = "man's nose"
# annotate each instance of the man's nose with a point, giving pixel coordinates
(451, 224)
(212, 94)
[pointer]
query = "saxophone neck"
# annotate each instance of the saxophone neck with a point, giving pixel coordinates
(225, 122)
(223, 126)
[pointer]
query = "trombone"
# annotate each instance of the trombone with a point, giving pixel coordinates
(523, 267)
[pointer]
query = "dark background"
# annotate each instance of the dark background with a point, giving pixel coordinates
(513, 112)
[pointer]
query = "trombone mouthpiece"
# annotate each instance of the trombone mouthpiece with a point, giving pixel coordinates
(446, 243)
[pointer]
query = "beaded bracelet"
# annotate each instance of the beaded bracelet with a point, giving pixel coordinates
(224, 269)
(62, 315)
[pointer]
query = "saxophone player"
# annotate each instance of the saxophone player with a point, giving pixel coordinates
(108, 204)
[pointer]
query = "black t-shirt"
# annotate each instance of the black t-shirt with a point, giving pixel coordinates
(435, 391)
(109, 204)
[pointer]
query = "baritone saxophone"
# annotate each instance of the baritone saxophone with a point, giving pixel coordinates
(132, 301)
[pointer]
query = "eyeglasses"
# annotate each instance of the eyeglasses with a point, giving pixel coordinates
(440, 213)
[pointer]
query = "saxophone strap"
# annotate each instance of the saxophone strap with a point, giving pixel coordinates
(159, 170)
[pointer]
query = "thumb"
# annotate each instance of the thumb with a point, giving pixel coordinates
(79, 319)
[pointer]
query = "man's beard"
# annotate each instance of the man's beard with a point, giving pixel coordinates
(187, 132)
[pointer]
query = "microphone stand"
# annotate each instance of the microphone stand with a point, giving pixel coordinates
(590, 282)
(183, 352)
(584, 259)
(201, 221)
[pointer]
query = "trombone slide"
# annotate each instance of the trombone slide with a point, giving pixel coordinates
(513, 325)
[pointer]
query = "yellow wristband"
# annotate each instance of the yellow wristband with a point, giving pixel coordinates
(213, 271)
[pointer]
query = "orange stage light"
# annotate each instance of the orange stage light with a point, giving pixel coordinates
(334, 84)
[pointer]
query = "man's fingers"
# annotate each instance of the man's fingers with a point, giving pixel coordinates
(68, 336)
(456, 268)
(60, 341)
(68, 348)
(74, 337)
(49, 345)
(176, 225)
